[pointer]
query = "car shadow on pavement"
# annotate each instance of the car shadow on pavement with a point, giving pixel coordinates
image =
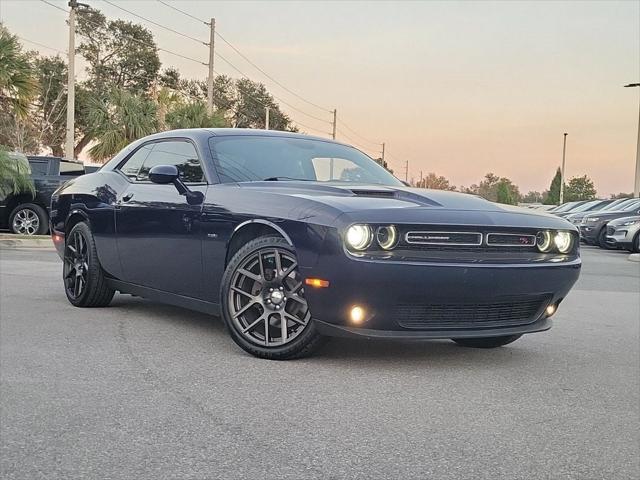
(375, 352)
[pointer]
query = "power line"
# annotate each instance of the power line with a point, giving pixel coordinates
(269, 76)
(42, 45)
(183, 12)
(248, 60)
(133, 39)
(55, 6)
(156, 23)
(358, 135)
(277, 98)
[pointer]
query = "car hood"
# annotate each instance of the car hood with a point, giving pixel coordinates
(607, 215)
(620, 221)
(375, 203)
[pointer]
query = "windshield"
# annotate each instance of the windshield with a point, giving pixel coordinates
(255, 158)
(615, 204)
(630, 207)
(586, 206)
(565, 207)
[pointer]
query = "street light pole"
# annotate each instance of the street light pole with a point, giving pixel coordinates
(636, 183)
(564, 151)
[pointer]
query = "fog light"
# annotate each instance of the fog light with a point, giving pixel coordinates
(551, 309)
(357, 314)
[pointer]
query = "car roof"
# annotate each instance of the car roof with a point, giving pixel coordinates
(237, 132)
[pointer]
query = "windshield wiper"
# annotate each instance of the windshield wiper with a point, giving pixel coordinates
(276, 179)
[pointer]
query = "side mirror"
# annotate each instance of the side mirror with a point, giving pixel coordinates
(165, 174)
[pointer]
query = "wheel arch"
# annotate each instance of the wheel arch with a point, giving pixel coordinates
(250, 230)
(74, 217)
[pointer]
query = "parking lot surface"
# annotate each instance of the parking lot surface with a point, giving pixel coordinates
(141, 390)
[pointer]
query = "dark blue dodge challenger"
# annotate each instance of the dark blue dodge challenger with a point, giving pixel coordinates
(291, 238)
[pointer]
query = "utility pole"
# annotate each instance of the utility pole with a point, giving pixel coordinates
(335, 113)
(406, 171)
(212, 41)
(71, 83)
(636, 183)
(383, 153)
(266, 118)
(564, 151)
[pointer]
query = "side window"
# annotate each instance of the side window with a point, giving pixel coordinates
(180, 153)
(38, 167)
(132, 166)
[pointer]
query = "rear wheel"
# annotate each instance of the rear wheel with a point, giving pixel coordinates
(29, 219)
(486, 342)
(263, 302)
(84, 280)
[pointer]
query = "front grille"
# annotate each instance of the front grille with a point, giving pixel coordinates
(511, 239)
(509, 312)
(444, 238)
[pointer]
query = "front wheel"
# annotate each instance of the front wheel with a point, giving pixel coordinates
(263, 303)
(486, 342)
(84, 280)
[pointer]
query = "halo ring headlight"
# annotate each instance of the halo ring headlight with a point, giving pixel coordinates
(387, 237)
(544, 241)
(358, 237)
(563, 241)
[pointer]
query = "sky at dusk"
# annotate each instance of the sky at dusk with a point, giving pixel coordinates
(456, 88)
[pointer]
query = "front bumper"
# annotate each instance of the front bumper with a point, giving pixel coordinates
(589, 233)
(428, 300)
(622, 237)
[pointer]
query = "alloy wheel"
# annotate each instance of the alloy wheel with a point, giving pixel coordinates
(76, 265)
(26, 222)
(266, 298)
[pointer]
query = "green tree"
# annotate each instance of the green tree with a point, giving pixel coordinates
(615, 196)
(436, 182)
(505, 194)
(534, 197)
(194, 115)
(118, 120)
(119, 53)
(50, 108)
(18, 86)
(14, 173)
(580, 188)
(553, 198)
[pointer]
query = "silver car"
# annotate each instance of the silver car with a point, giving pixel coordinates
(625, 233)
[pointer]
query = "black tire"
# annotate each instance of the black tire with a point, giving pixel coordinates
(602, 240)
(83, 278)
(486, 342)
(29, 219)
(635, 245)
(305, 340)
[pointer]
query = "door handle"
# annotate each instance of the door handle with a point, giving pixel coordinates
(127, 197)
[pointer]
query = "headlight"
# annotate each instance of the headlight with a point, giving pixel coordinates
(358, 237)
(563, 241)
(387, 237)
(630, 222)
(592, 219)
(543, 241)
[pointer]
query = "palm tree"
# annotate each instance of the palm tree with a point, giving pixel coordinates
(194, 115)
(118, 120)
(18, 85)
(14, 173)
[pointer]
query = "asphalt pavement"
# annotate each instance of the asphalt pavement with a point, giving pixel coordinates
(145, 391)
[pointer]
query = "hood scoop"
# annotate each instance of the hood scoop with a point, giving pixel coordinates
(374, 193)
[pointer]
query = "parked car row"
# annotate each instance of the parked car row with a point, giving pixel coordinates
(27, 214)
(608, 224)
